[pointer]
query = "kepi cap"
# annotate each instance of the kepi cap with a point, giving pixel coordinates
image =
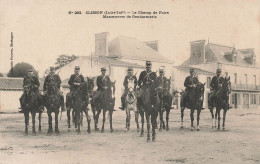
(103, 69)
(77, 67)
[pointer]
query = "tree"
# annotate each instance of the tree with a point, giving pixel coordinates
(20, 70)
(1, 75)
(63, 60)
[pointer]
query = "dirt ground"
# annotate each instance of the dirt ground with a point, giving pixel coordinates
(239, 143)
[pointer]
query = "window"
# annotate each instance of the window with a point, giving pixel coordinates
(245, 81)
(235, 78)
(253, 99)
(208, 82)
(254, 81)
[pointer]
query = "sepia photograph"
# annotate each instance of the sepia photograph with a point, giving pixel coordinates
(142, 81)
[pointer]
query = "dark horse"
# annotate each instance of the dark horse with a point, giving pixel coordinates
(106, 101)
(165, 104)
(194, 101)
(221, 102)
(52, 103)
(29, 103)
(80, 103)
(151, 111)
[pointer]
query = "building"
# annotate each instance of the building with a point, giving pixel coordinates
(116, 55)
(239, 64)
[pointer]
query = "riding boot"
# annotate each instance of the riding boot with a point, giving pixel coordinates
(62, 103)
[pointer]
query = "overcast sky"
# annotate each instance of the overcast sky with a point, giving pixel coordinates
(43, 30)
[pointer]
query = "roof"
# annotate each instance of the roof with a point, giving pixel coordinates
(8, 83)
(197, 70)
(219, 52)
(222, 54)
(132, 48)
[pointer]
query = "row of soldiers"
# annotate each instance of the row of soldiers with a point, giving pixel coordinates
(146, 78)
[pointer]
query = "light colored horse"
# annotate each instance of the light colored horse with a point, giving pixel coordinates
(130, 101)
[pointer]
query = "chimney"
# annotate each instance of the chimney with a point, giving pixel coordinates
(153, 44)
(197, 52)
(101, 44)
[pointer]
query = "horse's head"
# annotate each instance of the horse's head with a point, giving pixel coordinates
(167, 86)
(226, 85)
(90, 83)
(131, 85)
(52, 87)
(27, 89)
(199, 90)
(113, 87)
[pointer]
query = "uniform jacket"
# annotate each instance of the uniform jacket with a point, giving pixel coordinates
(31, 80)
(161, 81)
(145, 78)
(49, 78)
(103, 81)
(190, 81)
(127, 78)
(75, 79)
(215, 81)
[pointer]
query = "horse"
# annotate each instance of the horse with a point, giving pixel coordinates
(165, 103)
(80, 103)
(194, 102)
(131, 104)
(52, 103)
(106, 101)
(29, 103)
(150, 106)
(221, 102)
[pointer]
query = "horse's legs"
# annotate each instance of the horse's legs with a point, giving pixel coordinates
(136, 120)
(142, 120)
(182, 115)
(212, 116)
(104, 119)
(198, 119)
(68, 116)
(224, 118)
(33, 113)
(56, 122)
(110, 120)
(81, 118)
(147, 115)
(161, 118)
(192, 118)
(127, 111)
(218, 112)
(26, 121)
(73, 117)
(167, 119)
(50, 122)
(96, 119)
(216, 116)
(153, 121)
(88, 119)
(40, 121)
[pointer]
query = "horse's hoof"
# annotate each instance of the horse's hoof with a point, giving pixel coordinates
(213, 127)
(57, 131)
(142, 134)
(102, 131)
(111, 130)
(223, 129)
(138, 130)
(148, 139)
(160, 129)
(96, 129)
(89, 131)
(34, 133)
(218, 128)
(182, 127)
(167, 129)
(198, 129)
(39, 130)
(192, 128)
(153, 139)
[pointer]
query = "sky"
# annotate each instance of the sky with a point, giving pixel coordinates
(43, 30)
